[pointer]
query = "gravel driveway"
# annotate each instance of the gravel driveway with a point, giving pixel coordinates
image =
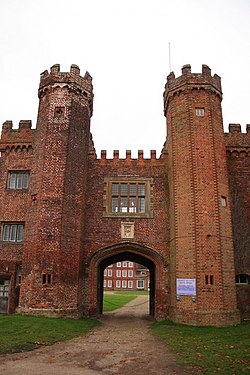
(122, 345)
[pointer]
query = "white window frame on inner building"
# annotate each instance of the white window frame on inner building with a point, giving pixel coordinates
(118, 283)
(110, 272)
(130, 284)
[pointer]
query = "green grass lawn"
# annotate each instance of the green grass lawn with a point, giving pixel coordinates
(131, 292)
(21, 333)
(115, 301)
(209, 350)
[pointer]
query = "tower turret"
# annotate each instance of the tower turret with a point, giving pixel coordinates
(201, 247)
(54, 230)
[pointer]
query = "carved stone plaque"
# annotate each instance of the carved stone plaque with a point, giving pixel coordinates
(127, 230)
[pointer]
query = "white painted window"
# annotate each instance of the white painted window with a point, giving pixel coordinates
(118, 273)
(110, 272)
(124, 264)
(124, 283)
(124, 273)
(130, 284)
(109, 283)
(140, 284)
(13, 232)
(130, 264)
(199, 112)
(130, 273)
(118, 264)
(18, 180)
(118, 283)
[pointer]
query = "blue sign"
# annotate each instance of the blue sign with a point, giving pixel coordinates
(185, 287)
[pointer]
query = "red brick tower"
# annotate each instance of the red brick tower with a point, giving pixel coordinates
(201, 246)
(55, 225)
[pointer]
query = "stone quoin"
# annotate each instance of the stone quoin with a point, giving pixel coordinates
(66, 214)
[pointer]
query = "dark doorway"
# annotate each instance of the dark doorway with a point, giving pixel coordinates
(132, 257)
(4, 295)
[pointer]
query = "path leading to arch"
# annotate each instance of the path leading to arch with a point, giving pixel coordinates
(123, 345)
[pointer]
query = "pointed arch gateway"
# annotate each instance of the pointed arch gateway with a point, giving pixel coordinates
(103, 257)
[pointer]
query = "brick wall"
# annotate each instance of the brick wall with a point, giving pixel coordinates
(16, 154)
(238, 160)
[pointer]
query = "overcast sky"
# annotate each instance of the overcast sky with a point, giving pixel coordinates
(124, 46)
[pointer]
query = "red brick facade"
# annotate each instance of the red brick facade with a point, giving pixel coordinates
(80, 213)
(126, 276)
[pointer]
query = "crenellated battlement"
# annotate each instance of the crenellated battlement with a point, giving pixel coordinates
(128, 157)
(189, 80)
(22, 137)
(236, 140)
(77, 83)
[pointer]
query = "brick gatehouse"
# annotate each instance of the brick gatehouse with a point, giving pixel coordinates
(66, 214)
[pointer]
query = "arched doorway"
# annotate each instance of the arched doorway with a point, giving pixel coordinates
(132, 257)
(127, 251)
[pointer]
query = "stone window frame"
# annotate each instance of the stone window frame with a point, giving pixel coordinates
(108, 181)
(200, 111)
(18, 180)
(12, 232)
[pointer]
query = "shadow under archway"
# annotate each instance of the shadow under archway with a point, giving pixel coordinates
(126, 256)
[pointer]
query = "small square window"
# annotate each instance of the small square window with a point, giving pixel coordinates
(59, 112)
(46, 278)
(199, 112)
